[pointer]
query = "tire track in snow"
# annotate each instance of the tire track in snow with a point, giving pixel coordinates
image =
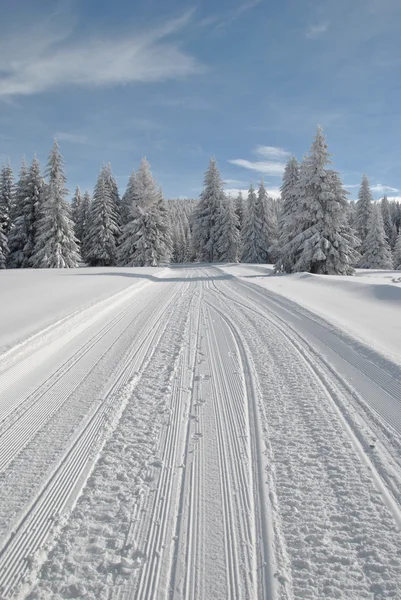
(17, 556)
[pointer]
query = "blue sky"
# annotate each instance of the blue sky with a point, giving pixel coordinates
(244, 81)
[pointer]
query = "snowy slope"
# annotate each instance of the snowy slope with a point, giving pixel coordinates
(197, 436)
(367, 306)
(31, 299)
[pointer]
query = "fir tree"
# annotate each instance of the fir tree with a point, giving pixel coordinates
(363, 210)
(387, 222)
(324, 243)
(6, 200)
(83, 222)
(18, 236)
(397, 253)
(76, 203)
(288, 221)
(103, 229)
(206, 222)
(239, 210)
(377, 254)
(128, 200)
(228, 244)
(146, 238)
(56, 244)
(269, 230)
(7, 191)
(253, 243)
(111, 183)
(32, 207)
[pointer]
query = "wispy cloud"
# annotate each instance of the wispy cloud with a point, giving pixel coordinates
(235, 182)
(383, 189)
(273, 163)
(315, 31)
(31, 64)
(226, 19)
(271, 152)
(71, 138)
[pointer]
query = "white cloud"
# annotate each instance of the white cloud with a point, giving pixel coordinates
(352, 185)
(235, 182)
(382, 189)
(271, 152)
(315, 31)
(72, 138)
(261, 166)
(274, 192)
(35, 61)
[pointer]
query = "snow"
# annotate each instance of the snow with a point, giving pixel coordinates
(183, 433)
(32, 299)
(367, 305)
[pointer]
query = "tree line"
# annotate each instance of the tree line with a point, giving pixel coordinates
(312, 227)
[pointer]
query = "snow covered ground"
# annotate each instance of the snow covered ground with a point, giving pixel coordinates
(187, 434)
(368, 305)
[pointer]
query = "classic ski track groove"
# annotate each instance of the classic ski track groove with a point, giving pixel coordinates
(304, 349)
(21, 425)
(36, 524)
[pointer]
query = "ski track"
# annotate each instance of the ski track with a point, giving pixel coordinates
(227, 457)
(31, 531)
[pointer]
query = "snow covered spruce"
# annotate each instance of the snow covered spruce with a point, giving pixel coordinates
(311, 227)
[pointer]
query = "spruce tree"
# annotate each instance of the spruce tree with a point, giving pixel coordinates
(228, 244)
(145, 240)
(288, 220)
(239, 210)
(111, 183)
(18, 236)
(32, 207)
(83, 222)
(56, 245)
(128, 200)
(377, 254)
(324, 242)
(6, 201)
(269, 230)
(387, 222)
(397, 254)
(103, 229)
(253, 243)
(206, 222)
(363, 210)
(76, 203)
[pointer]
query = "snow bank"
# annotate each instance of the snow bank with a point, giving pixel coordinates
(366, 306)
(32, 299)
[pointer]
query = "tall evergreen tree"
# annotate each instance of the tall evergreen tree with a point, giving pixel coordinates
(397, 253)
(324, 243)
(239, 210)
(228, 245)
(269, 231)
(253, 243)
(288, 220)
(6, 201)
(146, 237)
(76, 203)
(18, 236)
(33, 207)
(7, 192)
(83, 222)
(386, 215)
(128, 199)
(377, 254)
(206, 222)
(363, 210)
(111, 183)
(103, 229)
(56, 245)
